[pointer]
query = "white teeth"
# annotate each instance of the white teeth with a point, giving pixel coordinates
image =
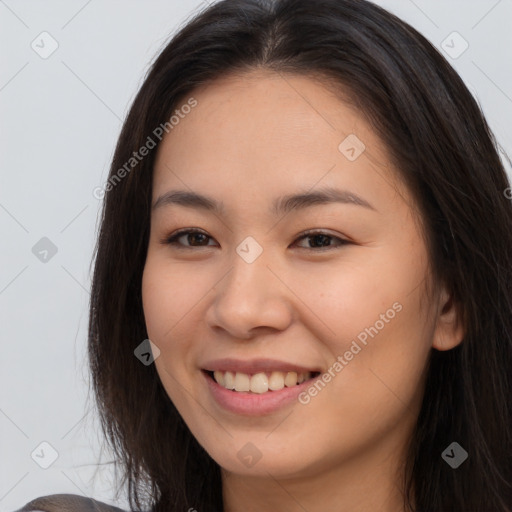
(242, 382)
(229, 380)
(219, 377)
(276, 381)
(290, 379)
(259, 382)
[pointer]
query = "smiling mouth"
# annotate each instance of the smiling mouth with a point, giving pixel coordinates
(261, 382)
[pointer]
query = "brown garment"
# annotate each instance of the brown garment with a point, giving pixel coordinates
(67, 503)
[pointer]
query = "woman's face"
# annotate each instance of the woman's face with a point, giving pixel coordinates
(251, 294)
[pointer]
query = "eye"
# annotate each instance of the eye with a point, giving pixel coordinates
(198, 238)
(321, 240)
(195, 237)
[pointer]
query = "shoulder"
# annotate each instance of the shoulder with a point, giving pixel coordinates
(67, 503)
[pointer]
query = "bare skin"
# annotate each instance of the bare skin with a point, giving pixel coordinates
(250, 140)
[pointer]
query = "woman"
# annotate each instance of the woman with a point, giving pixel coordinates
(306, 214)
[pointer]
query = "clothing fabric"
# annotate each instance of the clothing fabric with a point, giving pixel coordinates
(67, 503)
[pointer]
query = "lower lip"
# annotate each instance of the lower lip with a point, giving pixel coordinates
(254, 404)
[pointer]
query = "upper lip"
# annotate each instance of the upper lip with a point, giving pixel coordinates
(254, 366)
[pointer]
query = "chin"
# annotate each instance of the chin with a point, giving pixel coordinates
(252, 455)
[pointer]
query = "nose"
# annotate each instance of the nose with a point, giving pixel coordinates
(250, 298)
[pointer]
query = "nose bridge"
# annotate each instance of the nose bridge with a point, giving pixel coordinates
(248, 272)
(249, 295)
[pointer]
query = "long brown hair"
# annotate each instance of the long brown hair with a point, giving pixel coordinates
(447, 156)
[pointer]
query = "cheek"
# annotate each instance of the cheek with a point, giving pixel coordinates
(172, 297)
(374, 388)
(165, 305)
(170, 293)
(375, 321)
(350, 297)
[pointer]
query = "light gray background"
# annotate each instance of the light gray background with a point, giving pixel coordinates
(60, 118)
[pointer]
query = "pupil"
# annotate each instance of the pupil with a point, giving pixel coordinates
(324, 240)
(193, 236)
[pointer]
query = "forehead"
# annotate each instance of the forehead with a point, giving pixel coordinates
(263, 131)
(293, 107)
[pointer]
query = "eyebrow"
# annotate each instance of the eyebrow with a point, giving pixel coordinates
(281, 206)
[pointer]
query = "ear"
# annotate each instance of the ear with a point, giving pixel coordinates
(449, 331)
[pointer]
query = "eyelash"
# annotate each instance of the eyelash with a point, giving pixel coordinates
(172, 239)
